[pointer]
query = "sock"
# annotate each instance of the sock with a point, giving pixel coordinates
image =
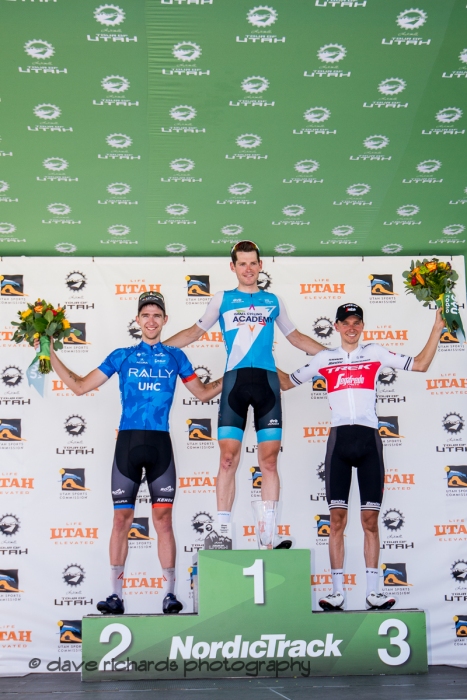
(116, 580)
(337, 580)
(372, 581)
(223, 516)
(169, 580)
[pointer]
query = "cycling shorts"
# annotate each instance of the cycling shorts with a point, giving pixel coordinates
(354, 446)
(250, 386)
(148, 449)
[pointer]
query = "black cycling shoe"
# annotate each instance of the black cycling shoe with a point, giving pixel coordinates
(170, 605)
(285, 544)
(113, 605)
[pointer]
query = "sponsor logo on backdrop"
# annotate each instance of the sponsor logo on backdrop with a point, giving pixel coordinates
(238, 190)
(393, 538)
(446, 116)
(59, 212)
(73, 576)
(142, 580)
(70, 634)
(198, 289)
(181, 165)
(293, 211)
(316, 115)
(183, 114)
(138, 535)
(320, 495)
(199, 482)
(305, 168)
(134, 331)
(12, 288)
(177, 211)
(285, 248)
(210, 339)
(374, 143)
(75, 343)
(199, 434)
(40, 50)
(202, 524)
(389, 88)
(110, 17)
(185, 53)
(256, 478)
(356, 191)
(253, 85)
(76, 282)
(9, 585)
(456, 480)
(322, 582)
(330, 55)
(261, 18)
(388, 428)
(323, 529)
(247, 141)
(453, 531)
(115, 85)
(462, 73)
(130, 291)
(409, 21)
(395, 480)
(118, 142)
(10, 525)
(11, 393)
(317, 434)
(386, 387)
(12, 484)
(458, 573)
(75, 426)
(4, 187)
(460, 627)
(249, 531)
(406, 211)
(73, 482)
(55, 164)
(118, 192)
(395, 576)
(382, 289)
(426, 168)
(448, 383)
(323, 328)
(74, 533)
(453, 424)
(12, 638)
(11, 434)
(322, 288)
(48, 112)
(386, 335)
(318, 388)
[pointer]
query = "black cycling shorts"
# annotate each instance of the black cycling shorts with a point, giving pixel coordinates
(250, 386)
(354, 446)
(148, 449)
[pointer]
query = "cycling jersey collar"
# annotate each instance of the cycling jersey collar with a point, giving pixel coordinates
(150, 348)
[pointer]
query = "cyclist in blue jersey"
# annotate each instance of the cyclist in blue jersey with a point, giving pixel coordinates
(247, 315)
(147, 374)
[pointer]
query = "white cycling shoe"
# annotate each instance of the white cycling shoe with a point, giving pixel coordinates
(379, 601)
(333, 601)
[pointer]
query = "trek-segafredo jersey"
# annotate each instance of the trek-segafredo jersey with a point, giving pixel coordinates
(247, 325)
(147, 376)
(351, 380)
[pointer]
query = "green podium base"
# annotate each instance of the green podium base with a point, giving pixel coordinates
(254, 620)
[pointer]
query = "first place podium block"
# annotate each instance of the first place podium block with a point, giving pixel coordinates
(254, 620)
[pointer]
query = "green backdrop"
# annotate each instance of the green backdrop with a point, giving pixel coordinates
(159, 127)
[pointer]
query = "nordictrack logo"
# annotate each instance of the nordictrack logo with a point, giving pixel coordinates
(109, 15)
(262, 16)
(183, 113)
(47, 111)
(255, 85)
(39, 49)
(331, 53)
(186, 51)
(115, 84)
(392, 86)
(411, 19)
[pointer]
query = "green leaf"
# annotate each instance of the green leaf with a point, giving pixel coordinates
(49, 316)
(406, 274)
(76, 332)
(58, 345)
(40, 324)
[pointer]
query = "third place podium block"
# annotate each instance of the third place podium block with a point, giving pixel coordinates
(254, 620)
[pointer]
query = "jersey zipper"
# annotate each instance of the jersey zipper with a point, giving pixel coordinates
(351, 396)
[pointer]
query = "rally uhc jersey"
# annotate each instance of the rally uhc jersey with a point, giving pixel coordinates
(247, 325)
(351, 380)
(147, 376)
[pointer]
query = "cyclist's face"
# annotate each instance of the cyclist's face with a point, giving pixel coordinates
(350, 330)
(151, 319)
(247, 268)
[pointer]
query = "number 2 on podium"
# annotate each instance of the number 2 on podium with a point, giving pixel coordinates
(257, 571)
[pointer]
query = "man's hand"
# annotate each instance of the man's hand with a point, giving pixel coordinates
(284, 380)
(439, 324)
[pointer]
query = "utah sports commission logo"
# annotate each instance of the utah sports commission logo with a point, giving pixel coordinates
(199, 429)
(381, 285)
(198, 286)
(12, 286)
(456, 477)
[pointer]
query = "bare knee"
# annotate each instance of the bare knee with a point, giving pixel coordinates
(123, 517)
(338, 519)
(228, 461)
(162, 519)
(370, 521)
(269, 466)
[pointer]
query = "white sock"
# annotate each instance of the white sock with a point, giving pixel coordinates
(169, 580)
(337, 581)
(372, 581)
(116, 580)
(223, 516)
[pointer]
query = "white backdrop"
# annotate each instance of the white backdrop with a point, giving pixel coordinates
(53, 540)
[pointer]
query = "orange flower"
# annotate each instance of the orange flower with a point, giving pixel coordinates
(420, 279)
(38, 309)
(431, 266)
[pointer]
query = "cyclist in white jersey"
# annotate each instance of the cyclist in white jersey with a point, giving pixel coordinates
(247, 315)
(351, 372)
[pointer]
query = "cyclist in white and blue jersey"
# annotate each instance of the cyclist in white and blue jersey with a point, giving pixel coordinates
(148, 375)
(247, 315)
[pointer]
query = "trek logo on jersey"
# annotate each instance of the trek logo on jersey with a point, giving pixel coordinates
(456, 476)
(77, 335)
(256, 477)
(12, 286)
(73, 479)
(323, 525)
(361, 376)
(70, 631)
(388, 427)
(381, 285)
(139, 530)
(198, 286)
(9, 581)
(199, 429)
(10, 430)
(395, 575)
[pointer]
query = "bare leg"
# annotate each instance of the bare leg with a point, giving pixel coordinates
(225, 487)
(336, 537)
(166, 549)
(267, 457)
(123, 517)
(371, 538)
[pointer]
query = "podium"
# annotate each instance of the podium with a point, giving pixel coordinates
(254, 620)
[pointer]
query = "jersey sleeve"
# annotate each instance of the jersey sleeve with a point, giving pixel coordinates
(394, 359)
(308, 371)
(283, 320)
(185, 368)
(112, 363)
(212, 313)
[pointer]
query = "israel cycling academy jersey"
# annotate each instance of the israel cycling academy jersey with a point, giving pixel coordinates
(351, 380)
(147, 376)
(247, 325)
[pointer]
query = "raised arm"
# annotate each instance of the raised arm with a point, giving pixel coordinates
(78, 385)
(423, 360)
(194, 333)
(204, 392)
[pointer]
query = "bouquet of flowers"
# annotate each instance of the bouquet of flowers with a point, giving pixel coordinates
(434, 281)
(41, 321)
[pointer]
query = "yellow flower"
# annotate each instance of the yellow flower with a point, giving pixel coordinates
(25, 314)
(65, 323)
(442, 266)
(36, 335)
(430, 266)
(415, 270)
